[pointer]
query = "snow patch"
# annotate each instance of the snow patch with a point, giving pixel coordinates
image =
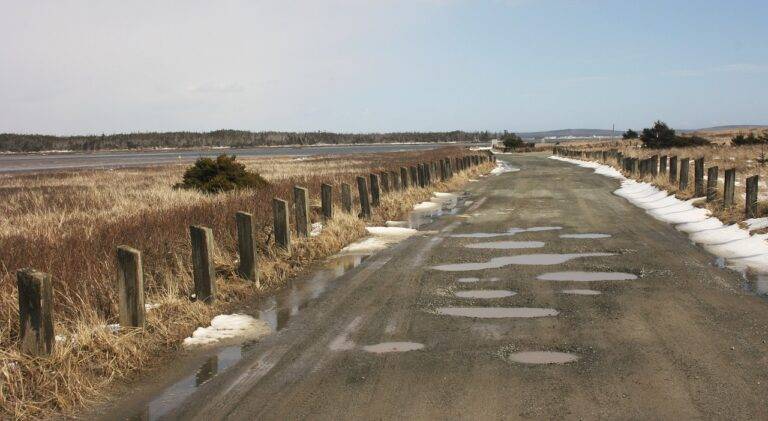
(317, 228)
(228, 327)
(502, 167)
(381, 238)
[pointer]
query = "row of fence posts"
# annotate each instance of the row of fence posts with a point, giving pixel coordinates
(35, 288)
(678, 171)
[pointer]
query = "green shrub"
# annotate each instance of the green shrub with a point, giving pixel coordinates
(511, 140)
(630, 134)
(661, 136)
(219, 175)
(750, 139)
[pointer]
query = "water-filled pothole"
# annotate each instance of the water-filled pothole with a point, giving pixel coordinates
(511, 231)
(586, 236)
(497, 312)
(506, 245)
(577, 276)
(524, 259)
(542, 357)
(386, 347)
(485, 293)
(580, 292)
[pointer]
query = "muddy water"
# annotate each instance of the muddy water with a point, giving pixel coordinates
(586, 276)
(497, 312)
(525, 259)
(586, 236)
(542, 357)
(506, 245)
(485, 293)
(580, 292)
(386, 347)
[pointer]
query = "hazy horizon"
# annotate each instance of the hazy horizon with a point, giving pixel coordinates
(75, 68)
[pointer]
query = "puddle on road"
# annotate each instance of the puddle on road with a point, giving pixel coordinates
(485, 293)
(542, 357)
(506, 245)
(524, 259)
(497, 312)
(586, 276)
(580, 292)
(386, 347)
(276, 311)
(586, 236)
(511, 231)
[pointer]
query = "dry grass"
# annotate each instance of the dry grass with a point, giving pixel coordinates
(69, 225)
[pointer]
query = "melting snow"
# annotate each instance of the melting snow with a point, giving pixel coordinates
(381, 238)
(502, 167)
(228, 327)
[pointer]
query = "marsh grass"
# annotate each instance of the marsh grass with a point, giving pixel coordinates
(69, 224)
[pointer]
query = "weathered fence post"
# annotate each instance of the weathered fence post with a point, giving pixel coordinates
(246, 247)
(443, 174)
(414, 176)
(673, 169)
(663, 165)
(301, 211)
(35, 312)
(730, 187)
(203, 269)
(421, 176)
(404, 178)
(394, 181)
(698, 177)
(712, 174)
(684, 170)
(751, 198)
(130, 287)
(362, 191)
(375, 191)
(655, 165)
(384, 177)
(280, 219)
(326, 200)
(346, 197)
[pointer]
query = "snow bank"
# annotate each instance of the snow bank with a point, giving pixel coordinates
(228, 327)
(731, 242)
(502, 167)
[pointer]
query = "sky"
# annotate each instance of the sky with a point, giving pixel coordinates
(91, 67)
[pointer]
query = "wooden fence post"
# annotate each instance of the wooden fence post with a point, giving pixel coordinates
(326, 199)
(246, 247)
(730, 187)
(301, 211)
(684, 170)
(404, 177)
(130, 287)
(346, 197)
(365, 204)
(394, 181)
(375, 191)
(420, 171)
(414, 176)
(655, 165)
(203, 269)
(673, 169)
(698, 177)
(35, 312)
(384, 177)
(663, 165)
(281, 228)
(712, 174)
(751, 198)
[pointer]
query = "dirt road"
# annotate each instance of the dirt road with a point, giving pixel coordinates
(683, 340)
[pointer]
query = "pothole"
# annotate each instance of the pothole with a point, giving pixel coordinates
(386, 347)
(497, 312)
(485, 293)
(506, 245)
(542, 357)
(580, 292)
(577, 276)
(524, 259)
(586, 236)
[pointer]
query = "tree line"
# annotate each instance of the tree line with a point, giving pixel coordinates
(220, 138)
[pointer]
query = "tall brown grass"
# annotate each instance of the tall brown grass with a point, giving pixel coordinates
(69, 224)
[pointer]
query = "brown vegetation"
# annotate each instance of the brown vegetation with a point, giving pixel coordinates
(69, 225)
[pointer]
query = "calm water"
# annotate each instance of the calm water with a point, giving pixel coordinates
(75, 160)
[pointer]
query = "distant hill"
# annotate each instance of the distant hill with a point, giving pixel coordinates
(569, 133)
